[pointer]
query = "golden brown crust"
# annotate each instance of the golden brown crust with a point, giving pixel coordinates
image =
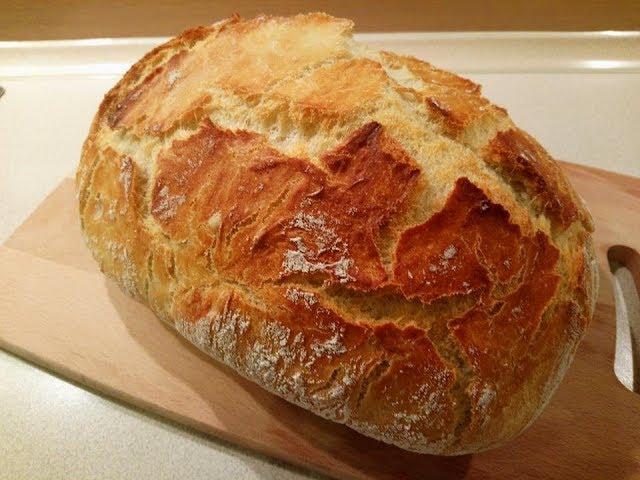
(295, 217)
(454, 102)
(532, 169)
(358, 232)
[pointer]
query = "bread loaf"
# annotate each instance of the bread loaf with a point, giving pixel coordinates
(356, 231)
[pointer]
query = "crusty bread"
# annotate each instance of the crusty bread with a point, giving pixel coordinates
(359, 232)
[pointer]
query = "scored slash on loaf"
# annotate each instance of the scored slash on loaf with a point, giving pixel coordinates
(358, 232)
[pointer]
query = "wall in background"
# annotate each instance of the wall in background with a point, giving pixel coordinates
(27, 20)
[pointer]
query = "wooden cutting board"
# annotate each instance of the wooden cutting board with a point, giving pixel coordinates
(58, 311)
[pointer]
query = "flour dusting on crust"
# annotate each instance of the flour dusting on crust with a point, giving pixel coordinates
(305, 259)
(167, 205)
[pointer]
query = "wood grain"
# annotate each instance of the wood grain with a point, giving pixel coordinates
(40, 19)
(57, 310)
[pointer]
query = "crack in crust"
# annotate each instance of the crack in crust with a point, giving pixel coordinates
(358, 232)
(530, 168)
(296, 218)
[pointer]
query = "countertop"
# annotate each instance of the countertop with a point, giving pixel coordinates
(582, 112)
